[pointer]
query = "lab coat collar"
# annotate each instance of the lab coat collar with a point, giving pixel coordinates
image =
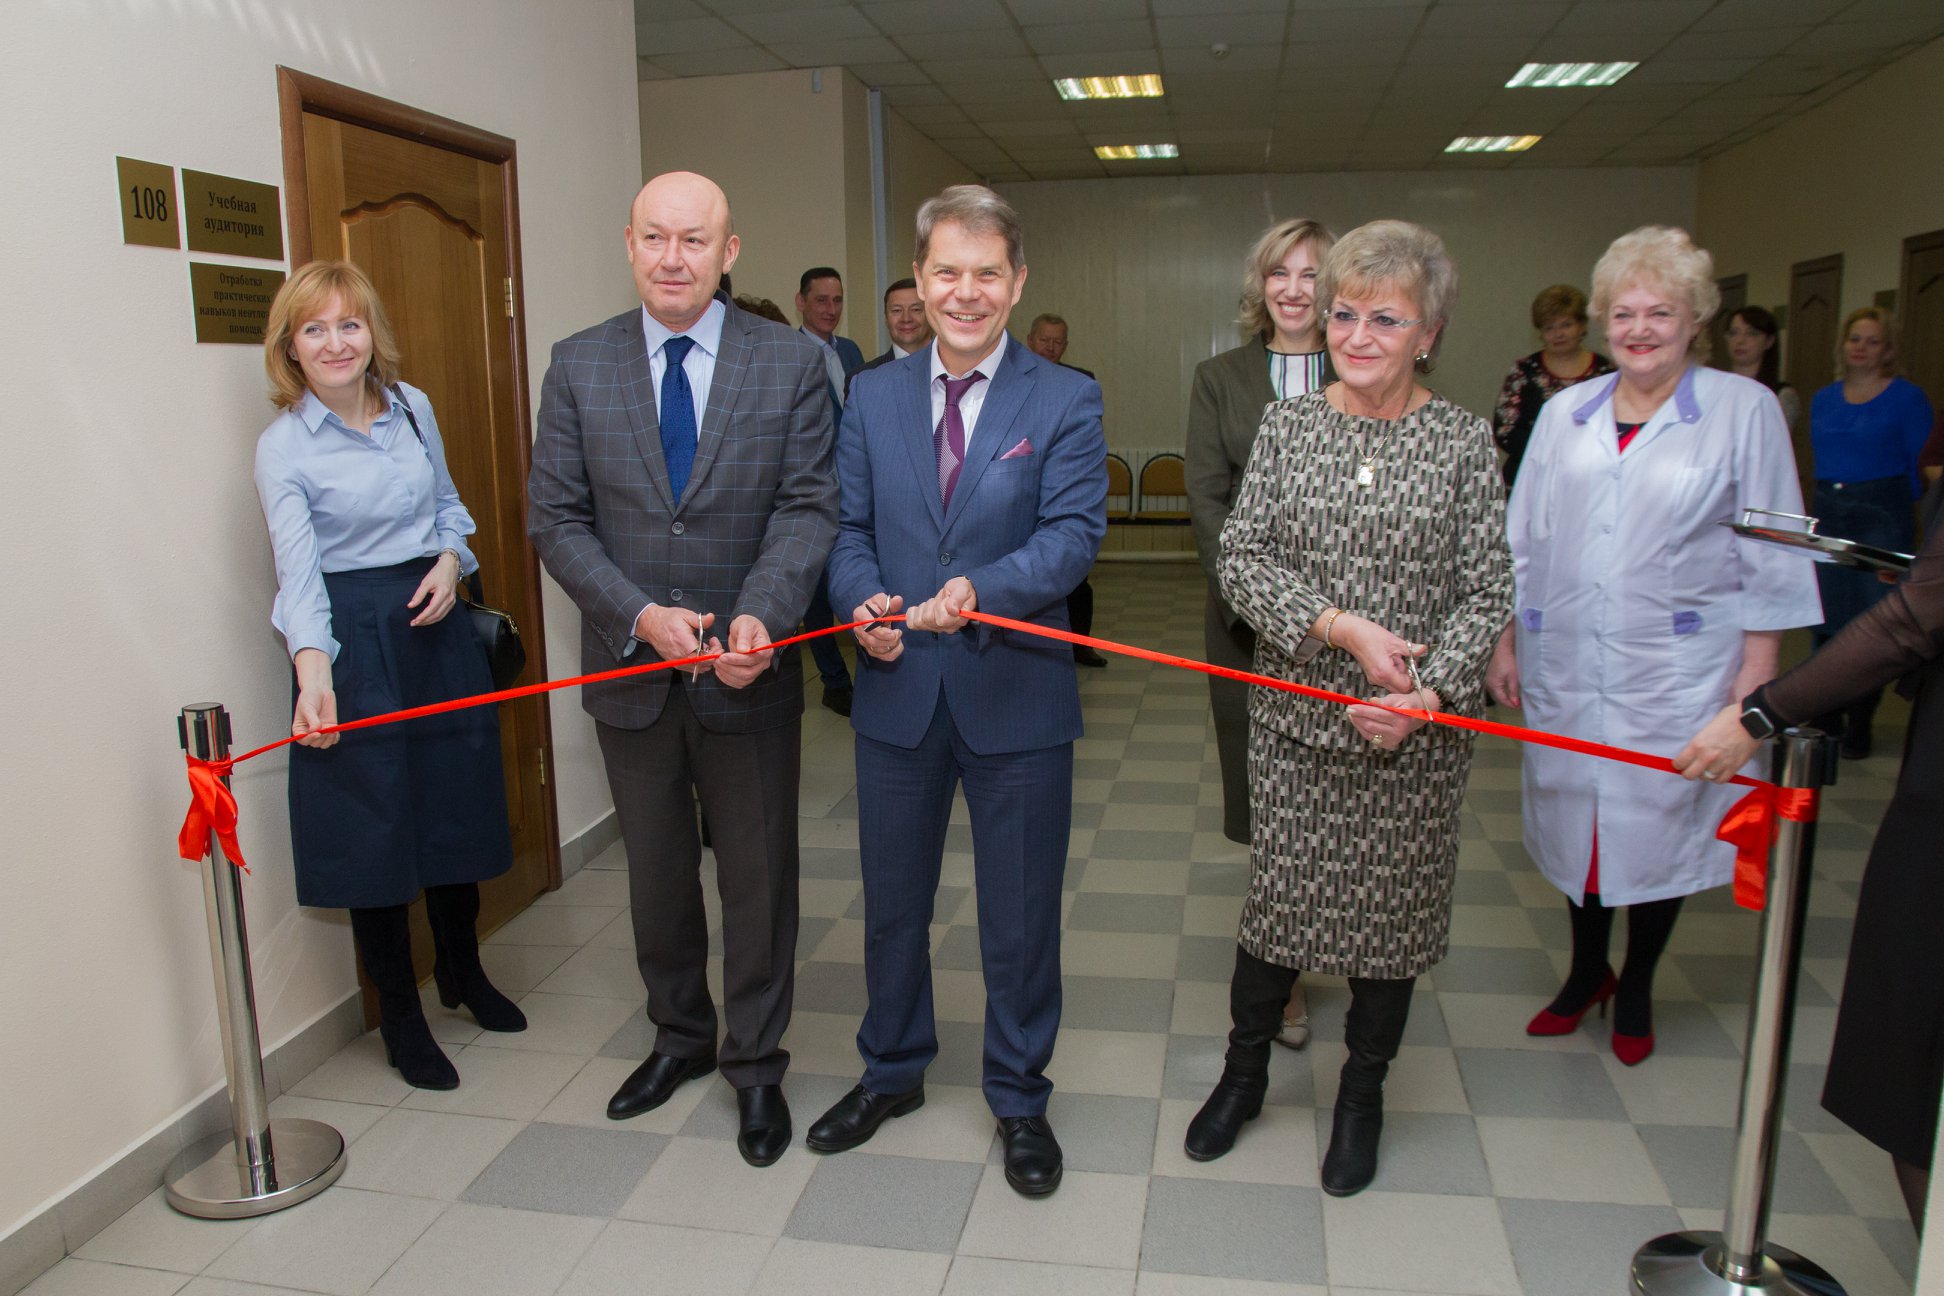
(1687, 408)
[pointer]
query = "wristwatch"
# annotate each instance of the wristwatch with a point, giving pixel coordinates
(1756, 721)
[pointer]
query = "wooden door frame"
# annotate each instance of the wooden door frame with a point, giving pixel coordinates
(299, 93)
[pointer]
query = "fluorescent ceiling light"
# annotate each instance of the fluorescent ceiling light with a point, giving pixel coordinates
(1491, 143)
(1124, 152)
(1145, 86)
(1554, 76)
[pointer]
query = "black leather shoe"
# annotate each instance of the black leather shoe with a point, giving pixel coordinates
(1351, 1162)
(1085, 656)
(765, 1132)
(1856, 744)
(838, 700)
(1236, 1101)
(857, 1115)
(1033, 1160)
(654, 1081)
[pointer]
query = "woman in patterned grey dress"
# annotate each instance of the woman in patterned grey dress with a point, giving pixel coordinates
(1367, 549)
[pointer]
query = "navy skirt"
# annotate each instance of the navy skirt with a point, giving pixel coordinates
(396, 808)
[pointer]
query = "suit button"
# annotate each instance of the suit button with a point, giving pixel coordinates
(675, 596)
(677, 528)
(944, 560)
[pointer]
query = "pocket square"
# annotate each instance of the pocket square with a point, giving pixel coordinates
(1020, 451)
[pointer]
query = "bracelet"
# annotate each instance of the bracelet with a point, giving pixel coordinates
(1330, 625)
(452, 551)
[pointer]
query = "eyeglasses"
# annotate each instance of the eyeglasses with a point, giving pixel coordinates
(1379, 322)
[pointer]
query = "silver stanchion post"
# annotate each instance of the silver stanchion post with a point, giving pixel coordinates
(1740, 1260)
(258, 1165)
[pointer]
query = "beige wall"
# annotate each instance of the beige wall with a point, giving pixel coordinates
(1856, 175)
(1147, 272)
(796, 164)
(138, 575)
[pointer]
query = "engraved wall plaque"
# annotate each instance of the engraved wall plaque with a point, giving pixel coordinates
(148, 203)
(231, 216)
(232, 303)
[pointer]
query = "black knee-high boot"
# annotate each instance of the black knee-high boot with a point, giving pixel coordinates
(1257, 992)
(384, 940)
(453, 912)
(1373, 1030)
(1649, 925)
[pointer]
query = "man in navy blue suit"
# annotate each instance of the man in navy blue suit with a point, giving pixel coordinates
(972, 476)
(820, 305)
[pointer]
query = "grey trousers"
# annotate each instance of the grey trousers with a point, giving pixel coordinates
(748, 787)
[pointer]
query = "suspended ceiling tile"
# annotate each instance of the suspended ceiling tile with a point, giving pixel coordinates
(1035, 96)
(1080, 38)
(810, 25)
(1002, 42)
(1731, 44)
(1493, 19)
(646, 11)
(1693, 71)
(950, 71)
(906, 78)
(1603, 47)
(1196, 8)
(1127, 62)
(832, 53)
(1890, 10)
(1506, 52)
(1753, 15)
(647, 71)
(685, 36)
(1039, 133)
(719, 62)
(1634, 16)
(909, 17)
(1360, 25)
(1241, 58)
(933, 115)
(1344, 54)
(1035, 12)
(739, 9)
(1228, 28)
(1239, 137)
(1872, 37)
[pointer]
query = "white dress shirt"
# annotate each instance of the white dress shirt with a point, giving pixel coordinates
(974, 399)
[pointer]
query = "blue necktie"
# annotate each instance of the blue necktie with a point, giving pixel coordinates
(677, 416)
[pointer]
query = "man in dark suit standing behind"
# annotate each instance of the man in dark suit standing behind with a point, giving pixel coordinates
(974, 477)
(904, 320)
(673, 524)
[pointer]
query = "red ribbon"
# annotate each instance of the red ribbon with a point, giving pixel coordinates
(1752, 819)
(212, 808)
(1750, 828)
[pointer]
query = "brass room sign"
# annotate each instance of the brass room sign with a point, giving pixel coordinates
(148, 203)
(232, 302)
(230, 216)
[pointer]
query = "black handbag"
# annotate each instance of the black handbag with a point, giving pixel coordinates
(498, 634)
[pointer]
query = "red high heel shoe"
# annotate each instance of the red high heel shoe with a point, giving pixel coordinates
(1632, 1050)
(1549, 1022)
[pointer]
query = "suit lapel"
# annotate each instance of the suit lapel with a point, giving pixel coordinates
(731, 366)
(638, 380)
(914, 413)
(990, 436)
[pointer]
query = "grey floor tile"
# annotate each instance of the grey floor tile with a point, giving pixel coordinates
(959, 951)
(1163, 751)
(826, 862)
(1802, 1100)
(810, 933)
(1212, 878)
(635, 1039)
(886, 1201)
(1123, 912)
(1476, 887)
(1140, 844)
(567, 1170)
(1898, 1242)
(1693, 1162)
(831, 988)
(1477, 970)
(1137, 792)
(1579, 1248)
(1263, 1232)
(1096, 768)
(1521, 1082)
(1205, 958)
(1687, 1029)
(1117, 1003)
(1194, 1064)
(1718, 978)
(1102, 1132)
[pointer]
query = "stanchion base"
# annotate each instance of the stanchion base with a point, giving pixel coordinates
(1690, 1264)
(207, 1180)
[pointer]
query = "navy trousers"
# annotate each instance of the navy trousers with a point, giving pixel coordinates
(1022, 809)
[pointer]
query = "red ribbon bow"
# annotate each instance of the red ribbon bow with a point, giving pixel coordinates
(1750, 828)
(212, 808)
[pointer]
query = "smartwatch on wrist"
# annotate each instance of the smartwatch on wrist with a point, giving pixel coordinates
(1759, 723)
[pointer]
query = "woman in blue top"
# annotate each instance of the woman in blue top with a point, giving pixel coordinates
(1867, 430)
(369, 538)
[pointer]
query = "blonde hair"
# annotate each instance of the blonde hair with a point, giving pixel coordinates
(1885, 321)
(1663, 257)
(1276, 243)
(303, 297)
(1397, 254)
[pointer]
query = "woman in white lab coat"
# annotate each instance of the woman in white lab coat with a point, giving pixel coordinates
(1638, 615)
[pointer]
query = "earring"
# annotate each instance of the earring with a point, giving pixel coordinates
(1422, 356)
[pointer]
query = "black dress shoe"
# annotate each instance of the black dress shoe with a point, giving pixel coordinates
(1085, 656)
(1033, 1160)
(765, 1132)
(838, 700)
(654, 1081)
(857, 1115)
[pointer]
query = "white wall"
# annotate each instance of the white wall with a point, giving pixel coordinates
(137, 576)
(1147, 272)
(1856, 175)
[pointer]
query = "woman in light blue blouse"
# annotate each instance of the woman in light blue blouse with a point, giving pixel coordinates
(369, 538)
(1867, 429)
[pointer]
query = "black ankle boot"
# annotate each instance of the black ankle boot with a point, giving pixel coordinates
(384, 940)
(409, 1046)
(453, 914)
(1236, 1101)
(1373, 1029)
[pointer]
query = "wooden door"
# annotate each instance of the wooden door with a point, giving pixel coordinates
(1921, 293)
(1734, 296)
(429, 209)
(1815, 311)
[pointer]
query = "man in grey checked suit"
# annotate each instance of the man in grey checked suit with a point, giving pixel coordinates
(682, 494)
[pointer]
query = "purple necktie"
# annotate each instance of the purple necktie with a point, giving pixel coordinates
(950, 436)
